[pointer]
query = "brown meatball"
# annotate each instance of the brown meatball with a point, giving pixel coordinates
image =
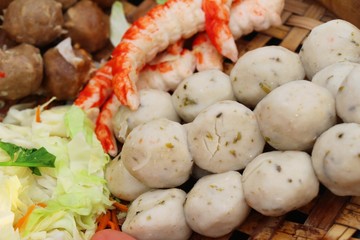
(4, 4)
(88, 25)
(104, 3)
(23, 69)
(62, 78)
(37, 22)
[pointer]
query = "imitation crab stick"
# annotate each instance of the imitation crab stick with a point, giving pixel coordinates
(154, 32)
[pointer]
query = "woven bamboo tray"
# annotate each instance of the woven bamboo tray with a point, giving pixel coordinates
(327, 216)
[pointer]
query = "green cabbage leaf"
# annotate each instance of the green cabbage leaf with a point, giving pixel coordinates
(74, 190)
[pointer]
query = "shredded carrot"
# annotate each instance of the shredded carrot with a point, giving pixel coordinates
(43, 205)
(37, 114)
(99, 217)
(22, 220)
(103, 221)
(113, 226)
(120, 207)
(114, 219)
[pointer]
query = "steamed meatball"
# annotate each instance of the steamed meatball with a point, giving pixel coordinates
(278, 182)
(216, 204)
(157, 154)
(199, 91)
(153, 104)
(22, 81)
(224, 137)
(330, 42)
(335, 159)
(88, 25)
(121, 183)
(158, 215)
(293, 115)
(65, 71)
(259, 71)
(333, 75)
(347, 98)
(37, 22)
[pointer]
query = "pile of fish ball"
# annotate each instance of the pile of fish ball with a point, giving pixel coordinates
(263, 137)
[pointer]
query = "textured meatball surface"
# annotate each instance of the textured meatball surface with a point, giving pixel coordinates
(88, 25)
(29, 76)
(37, 22)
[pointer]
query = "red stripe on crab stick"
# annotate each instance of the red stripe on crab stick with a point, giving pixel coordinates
(97, 90)
(104, 129)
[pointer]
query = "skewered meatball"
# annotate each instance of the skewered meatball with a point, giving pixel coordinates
(88, 25)
(28, 76)
(37, 22)
(65, 73)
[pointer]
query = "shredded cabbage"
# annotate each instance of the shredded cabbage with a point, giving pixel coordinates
(74, 192)
(118, 23)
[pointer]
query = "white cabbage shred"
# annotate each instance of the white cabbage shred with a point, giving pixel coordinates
(118, 23)
(74, 192)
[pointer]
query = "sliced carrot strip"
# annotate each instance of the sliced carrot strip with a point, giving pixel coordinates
(43, 205)
(99, 217)
(23, 220)
(103, 222)
(113, 226)
(115, 220)
(121, 207)
(37, 114)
